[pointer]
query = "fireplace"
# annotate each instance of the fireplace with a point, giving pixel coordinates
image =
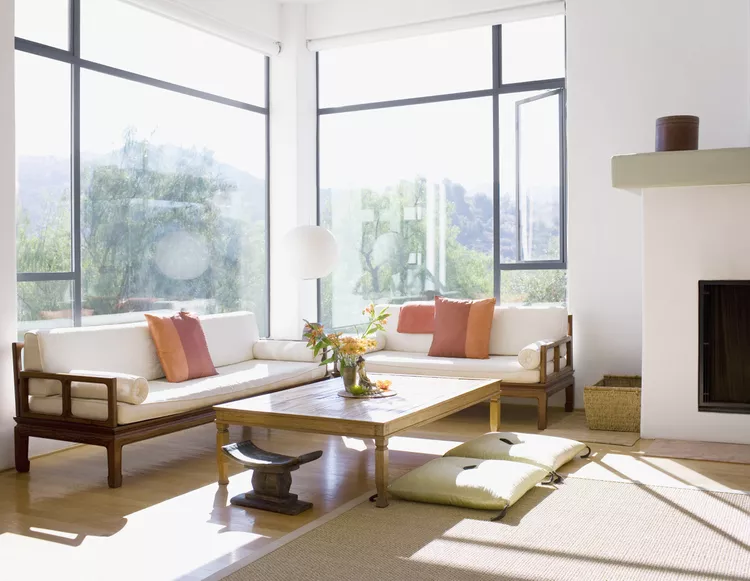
(724, 346)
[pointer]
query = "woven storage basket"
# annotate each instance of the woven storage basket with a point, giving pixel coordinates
(614, 403)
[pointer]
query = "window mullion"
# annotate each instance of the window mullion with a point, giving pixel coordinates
(75, 118)
(496, 79)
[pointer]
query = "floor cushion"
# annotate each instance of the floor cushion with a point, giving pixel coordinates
(548, 452)
(468, 482)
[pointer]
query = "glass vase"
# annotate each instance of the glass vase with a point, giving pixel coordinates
(349, 375)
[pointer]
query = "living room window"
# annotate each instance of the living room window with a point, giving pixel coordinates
(442, 167)
(141, 180)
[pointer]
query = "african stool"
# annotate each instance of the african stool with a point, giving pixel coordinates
(272, 478)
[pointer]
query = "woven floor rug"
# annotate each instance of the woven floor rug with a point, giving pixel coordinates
(584, 530)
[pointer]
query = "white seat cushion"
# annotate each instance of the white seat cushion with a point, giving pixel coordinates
(233, 382)
(549, 452)
(468, 482)
(496, 367)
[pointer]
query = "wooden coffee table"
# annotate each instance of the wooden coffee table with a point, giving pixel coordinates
(318, 409)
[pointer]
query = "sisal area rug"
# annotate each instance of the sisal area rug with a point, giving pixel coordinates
(712, 451)
(586, 529)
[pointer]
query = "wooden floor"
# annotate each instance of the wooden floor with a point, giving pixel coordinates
(170, 520)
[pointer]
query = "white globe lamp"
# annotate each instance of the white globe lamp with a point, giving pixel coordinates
(311, 251)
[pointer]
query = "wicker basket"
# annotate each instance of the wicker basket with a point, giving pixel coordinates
(614, 403)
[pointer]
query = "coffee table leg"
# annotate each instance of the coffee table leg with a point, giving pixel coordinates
(222, 439)
(494, 414)
(381, 470)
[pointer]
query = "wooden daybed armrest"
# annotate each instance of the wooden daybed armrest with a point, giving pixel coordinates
(544, 349)
(65, 379)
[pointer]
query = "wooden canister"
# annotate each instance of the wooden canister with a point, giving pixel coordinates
(677, 133)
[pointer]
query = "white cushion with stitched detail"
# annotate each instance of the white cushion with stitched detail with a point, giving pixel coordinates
(490, 485)
(548, 452)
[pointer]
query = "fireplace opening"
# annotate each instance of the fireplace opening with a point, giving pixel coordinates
(724, 346)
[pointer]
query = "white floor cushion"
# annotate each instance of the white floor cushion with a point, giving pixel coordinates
(468, 482)
(549, 452)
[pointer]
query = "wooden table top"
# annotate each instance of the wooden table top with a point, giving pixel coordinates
(317, 407)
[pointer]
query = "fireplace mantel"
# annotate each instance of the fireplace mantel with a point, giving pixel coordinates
(669, 169)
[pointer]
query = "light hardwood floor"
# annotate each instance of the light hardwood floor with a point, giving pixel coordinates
(170, 520)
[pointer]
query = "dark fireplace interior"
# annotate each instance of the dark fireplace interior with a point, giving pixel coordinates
(724, 335)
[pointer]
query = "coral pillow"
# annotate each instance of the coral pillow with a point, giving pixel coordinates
(181, 345)
(416, 318)
(462, 328)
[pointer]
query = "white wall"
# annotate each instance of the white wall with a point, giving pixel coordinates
(689, 234)
(629, 62)
(240, 20)
(293, 176)
(7, 232)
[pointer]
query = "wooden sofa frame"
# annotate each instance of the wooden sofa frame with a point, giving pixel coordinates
(69, 428)
(549, 383)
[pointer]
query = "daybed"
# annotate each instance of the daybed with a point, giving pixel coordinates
(105, 386)
(543, 332)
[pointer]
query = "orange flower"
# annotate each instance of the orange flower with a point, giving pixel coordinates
(383, 384)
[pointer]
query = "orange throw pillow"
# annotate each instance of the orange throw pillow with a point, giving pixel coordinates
(181, 345)
(462, 328)
(416, 318)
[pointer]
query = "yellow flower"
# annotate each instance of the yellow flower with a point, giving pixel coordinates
(384, 384)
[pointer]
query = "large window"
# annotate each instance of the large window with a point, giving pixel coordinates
(441, 168)
(141, 167)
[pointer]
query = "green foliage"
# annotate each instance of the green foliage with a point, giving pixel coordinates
(131, 204)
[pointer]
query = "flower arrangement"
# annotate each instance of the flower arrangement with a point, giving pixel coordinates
(346, 351)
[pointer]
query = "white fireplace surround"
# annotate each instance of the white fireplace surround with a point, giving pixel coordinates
(696, 226)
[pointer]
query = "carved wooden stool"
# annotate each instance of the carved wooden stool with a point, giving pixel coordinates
(272, 478)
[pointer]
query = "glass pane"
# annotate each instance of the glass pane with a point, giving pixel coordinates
(120, 35)
(416, 223)
(451, 62)
(534, 49)
(44, 21)
(539, 185)
(533, 119)
(533, 287)
(43, 170)
(45, 304)
(173, 203)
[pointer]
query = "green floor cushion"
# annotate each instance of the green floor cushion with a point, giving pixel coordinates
(549, 452)
(468, 482)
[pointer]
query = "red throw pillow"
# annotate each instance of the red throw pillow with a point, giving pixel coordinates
(462, 328)
(416, 318)
(181, 346)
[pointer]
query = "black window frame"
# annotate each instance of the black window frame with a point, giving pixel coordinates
(72, 56)
(497, 89)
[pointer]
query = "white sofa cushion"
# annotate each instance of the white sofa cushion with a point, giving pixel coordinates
(233, 382)
(230, 336)
(284, 351)
(130, 388)
(504, 367)
(128, 348)
(515, 327)
(530, 357)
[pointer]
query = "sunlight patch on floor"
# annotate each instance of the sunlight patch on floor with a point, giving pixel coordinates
(421, 445)
(651, 471)
(195, 529)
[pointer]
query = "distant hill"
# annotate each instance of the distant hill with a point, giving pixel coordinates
(44, 182)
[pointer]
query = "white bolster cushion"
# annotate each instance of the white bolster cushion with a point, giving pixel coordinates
(530, 357)
(130, 388)
(279, 350)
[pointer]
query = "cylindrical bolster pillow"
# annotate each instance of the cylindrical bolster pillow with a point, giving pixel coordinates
(130, 388)
(530, 357)
(280, 350)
